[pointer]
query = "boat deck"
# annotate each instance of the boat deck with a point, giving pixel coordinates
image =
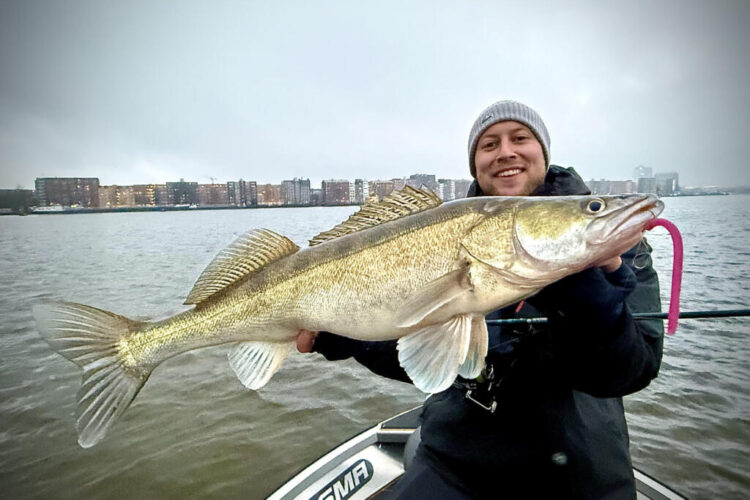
(369, 464)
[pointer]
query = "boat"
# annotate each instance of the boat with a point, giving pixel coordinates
(369, 465)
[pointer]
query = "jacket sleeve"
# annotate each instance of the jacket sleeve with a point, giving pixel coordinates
(593, 337)
(380, 357)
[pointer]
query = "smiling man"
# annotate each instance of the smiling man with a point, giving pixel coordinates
(545, 419)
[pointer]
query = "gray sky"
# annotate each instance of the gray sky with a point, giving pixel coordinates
(151, 91)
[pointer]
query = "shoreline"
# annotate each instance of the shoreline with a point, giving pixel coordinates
(173, 208)
(170, 208)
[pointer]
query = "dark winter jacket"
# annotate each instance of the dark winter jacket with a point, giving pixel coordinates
(559, 428)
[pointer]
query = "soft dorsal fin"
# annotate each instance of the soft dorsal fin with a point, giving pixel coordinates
(247, 254)
(398, 204)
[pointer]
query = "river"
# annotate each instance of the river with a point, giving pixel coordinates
(195, 432)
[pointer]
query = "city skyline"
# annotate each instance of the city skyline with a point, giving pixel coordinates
(638, 171)
(76, 193)
(89, 192)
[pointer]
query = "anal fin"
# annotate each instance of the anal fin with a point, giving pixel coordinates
(431, 356)
(254, 363)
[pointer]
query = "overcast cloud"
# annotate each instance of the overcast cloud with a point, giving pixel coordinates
(153, 91)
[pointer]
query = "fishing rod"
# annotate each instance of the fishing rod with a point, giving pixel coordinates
(722, 313)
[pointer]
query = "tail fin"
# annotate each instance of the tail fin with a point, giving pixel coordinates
(88, 337)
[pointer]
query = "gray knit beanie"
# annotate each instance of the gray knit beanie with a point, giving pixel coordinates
(503, 111)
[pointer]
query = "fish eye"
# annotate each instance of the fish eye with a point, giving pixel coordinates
(595, 206)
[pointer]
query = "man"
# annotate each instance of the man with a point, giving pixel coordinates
(546, 417)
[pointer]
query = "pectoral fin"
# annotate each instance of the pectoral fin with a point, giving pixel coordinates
(432, 297)
(254, 363)
(431, 356)
(474, 362)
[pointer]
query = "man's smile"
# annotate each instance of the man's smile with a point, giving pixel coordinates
(509, 172)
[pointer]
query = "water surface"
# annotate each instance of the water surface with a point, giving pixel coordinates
(195, 432)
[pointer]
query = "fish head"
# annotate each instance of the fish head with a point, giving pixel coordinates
(546, 238)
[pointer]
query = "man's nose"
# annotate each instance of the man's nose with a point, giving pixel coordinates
(506, 150)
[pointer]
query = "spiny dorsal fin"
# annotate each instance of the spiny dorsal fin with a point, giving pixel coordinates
(398, 204)
(247, 254)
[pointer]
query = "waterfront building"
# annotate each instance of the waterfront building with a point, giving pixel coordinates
(296, 192)
(603, 186)
(398, 184)
(598, 187)
(116, 196)
(667, 183)
(145, 194)
(182, 193)
(107, 196)
(212, 194)
(242, 193)
(316, 197)
(251, 192)
(121, 196)
(287, 192)
(137, 195)
(361, 190)
(647, 185)
(462, 187)
(422, 181)
(125, 196)
(234, 194)
(446, 189)
(160, 195)
(381, 189)
(623, 187)
(302, 191)
(336, 192)
(269, 195)
(641, 171)
(67, 191)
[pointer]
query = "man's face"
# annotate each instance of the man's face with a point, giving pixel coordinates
(509, 160)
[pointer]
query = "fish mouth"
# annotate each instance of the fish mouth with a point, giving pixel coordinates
(629, 220)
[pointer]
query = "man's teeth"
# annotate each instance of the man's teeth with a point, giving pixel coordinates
(507, 173)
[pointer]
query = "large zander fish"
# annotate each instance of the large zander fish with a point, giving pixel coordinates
(407, 267)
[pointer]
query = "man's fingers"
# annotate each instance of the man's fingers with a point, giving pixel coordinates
(306, 340)
(611, 265)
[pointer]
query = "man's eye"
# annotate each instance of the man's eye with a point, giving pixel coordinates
(489, 145)
(520, 138)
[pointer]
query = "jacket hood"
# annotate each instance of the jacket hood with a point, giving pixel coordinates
(559, 181)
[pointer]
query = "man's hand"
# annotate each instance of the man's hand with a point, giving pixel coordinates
(305, 340)
(609, 266)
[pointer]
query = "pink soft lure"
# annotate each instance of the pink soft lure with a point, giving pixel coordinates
(674, 299)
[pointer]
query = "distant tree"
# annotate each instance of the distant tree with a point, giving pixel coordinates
(18, 200)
